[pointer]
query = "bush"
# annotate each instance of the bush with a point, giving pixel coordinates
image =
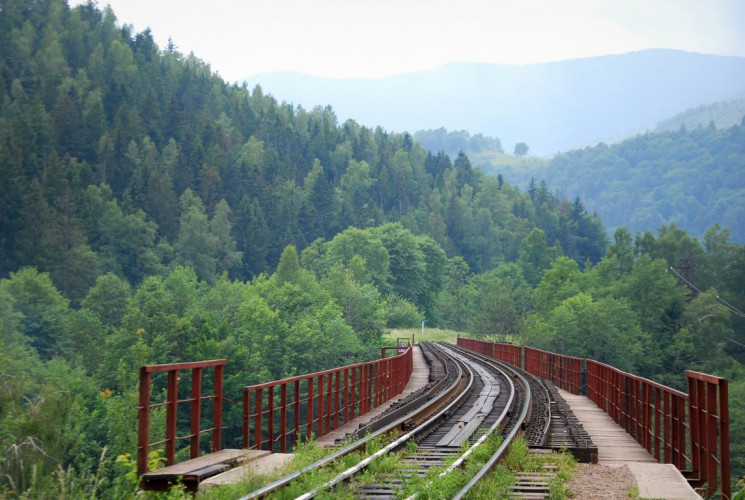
(400, 313)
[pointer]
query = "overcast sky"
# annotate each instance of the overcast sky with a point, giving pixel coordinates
(376, 38)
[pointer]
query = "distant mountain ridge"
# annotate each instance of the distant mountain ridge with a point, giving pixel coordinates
(552, 107)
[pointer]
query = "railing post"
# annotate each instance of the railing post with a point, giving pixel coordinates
(321, 408)
(329, 392)
(309, 426)
(196, 411)
(724, 438)
(347, 401)
(171, 417)
(270, 417)
(283, 418)
(143, 428)
(296, 415)
(355, 394)
(217, 409)
(337, 393)
(258, 408)
(246, 418)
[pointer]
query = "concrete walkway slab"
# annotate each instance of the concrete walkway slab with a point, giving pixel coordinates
(262, 466)
(661, 481)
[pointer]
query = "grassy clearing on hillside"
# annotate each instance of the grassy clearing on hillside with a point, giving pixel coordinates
(434, 335)
(429, 335)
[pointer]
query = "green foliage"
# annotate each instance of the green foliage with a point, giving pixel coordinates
(498, 305)
(688, 177)
(129, 160)
(454, 142)
(151, 213)
(400, 313)
(605, 330)
(43, 311)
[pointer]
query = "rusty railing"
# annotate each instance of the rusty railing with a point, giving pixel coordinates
(653, 414)
(708, 408)
(564, 371)
(277, 415)
(509, 353)
(172, 402)
(690, 431)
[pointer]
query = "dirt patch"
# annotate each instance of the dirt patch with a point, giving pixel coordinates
(601, 482)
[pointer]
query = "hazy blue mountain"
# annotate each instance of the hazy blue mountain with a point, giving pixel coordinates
(552, 107)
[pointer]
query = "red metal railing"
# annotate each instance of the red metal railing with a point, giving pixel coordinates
(564, 371)
(709, 420)
(171, 403)
(690, 431)
(509, 353)
(276, 415)
(653, 414)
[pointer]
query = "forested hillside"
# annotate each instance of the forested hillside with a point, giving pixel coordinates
(723, 114)
(146, 159)
(151, 213)
(691, 178)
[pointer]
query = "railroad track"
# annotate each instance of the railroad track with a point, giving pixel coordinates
(469, 399)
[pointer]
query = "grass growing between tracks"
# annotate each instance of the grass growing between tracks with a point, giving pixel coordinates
(519, 459)
(434, 487)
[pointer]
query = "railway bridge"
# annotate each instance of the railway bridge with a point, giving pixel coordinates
(672, 441)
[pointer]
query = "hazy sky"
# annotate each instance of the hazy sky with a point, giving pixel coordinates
(375, 38)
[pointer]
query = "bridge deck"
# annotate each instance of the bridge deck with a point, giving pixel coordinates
(617, 448)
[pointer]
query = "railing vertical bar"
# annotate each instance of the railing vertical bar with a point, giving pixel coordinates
(329, 393)
(143, 428)
(309, 425)
(283, 418)
(337, 394)
(196, 411)
(658, 418)
(354, 394)
(712, 419)
(217, 408)
(171, 417)
(270, 418)
(258, 408)
(348, 403)
(296, 415)
(725, 465)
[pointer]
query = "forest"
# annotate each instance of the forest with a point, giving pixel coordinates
(692, 178)
(150, 213)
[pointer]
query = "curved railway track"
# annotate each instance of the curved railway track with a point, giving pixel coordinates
(467, 400)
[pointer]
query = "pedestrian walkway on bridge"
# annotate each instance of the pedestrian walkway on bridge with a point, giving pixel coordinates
(618, 448)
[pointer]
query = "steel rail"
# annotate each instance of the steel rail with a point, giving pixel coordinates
(501, 451)
(284, 481)
(465, 358)
(494, 427)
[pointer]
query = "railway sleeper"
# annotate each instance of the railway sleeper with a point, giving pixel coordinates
(531, 485)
